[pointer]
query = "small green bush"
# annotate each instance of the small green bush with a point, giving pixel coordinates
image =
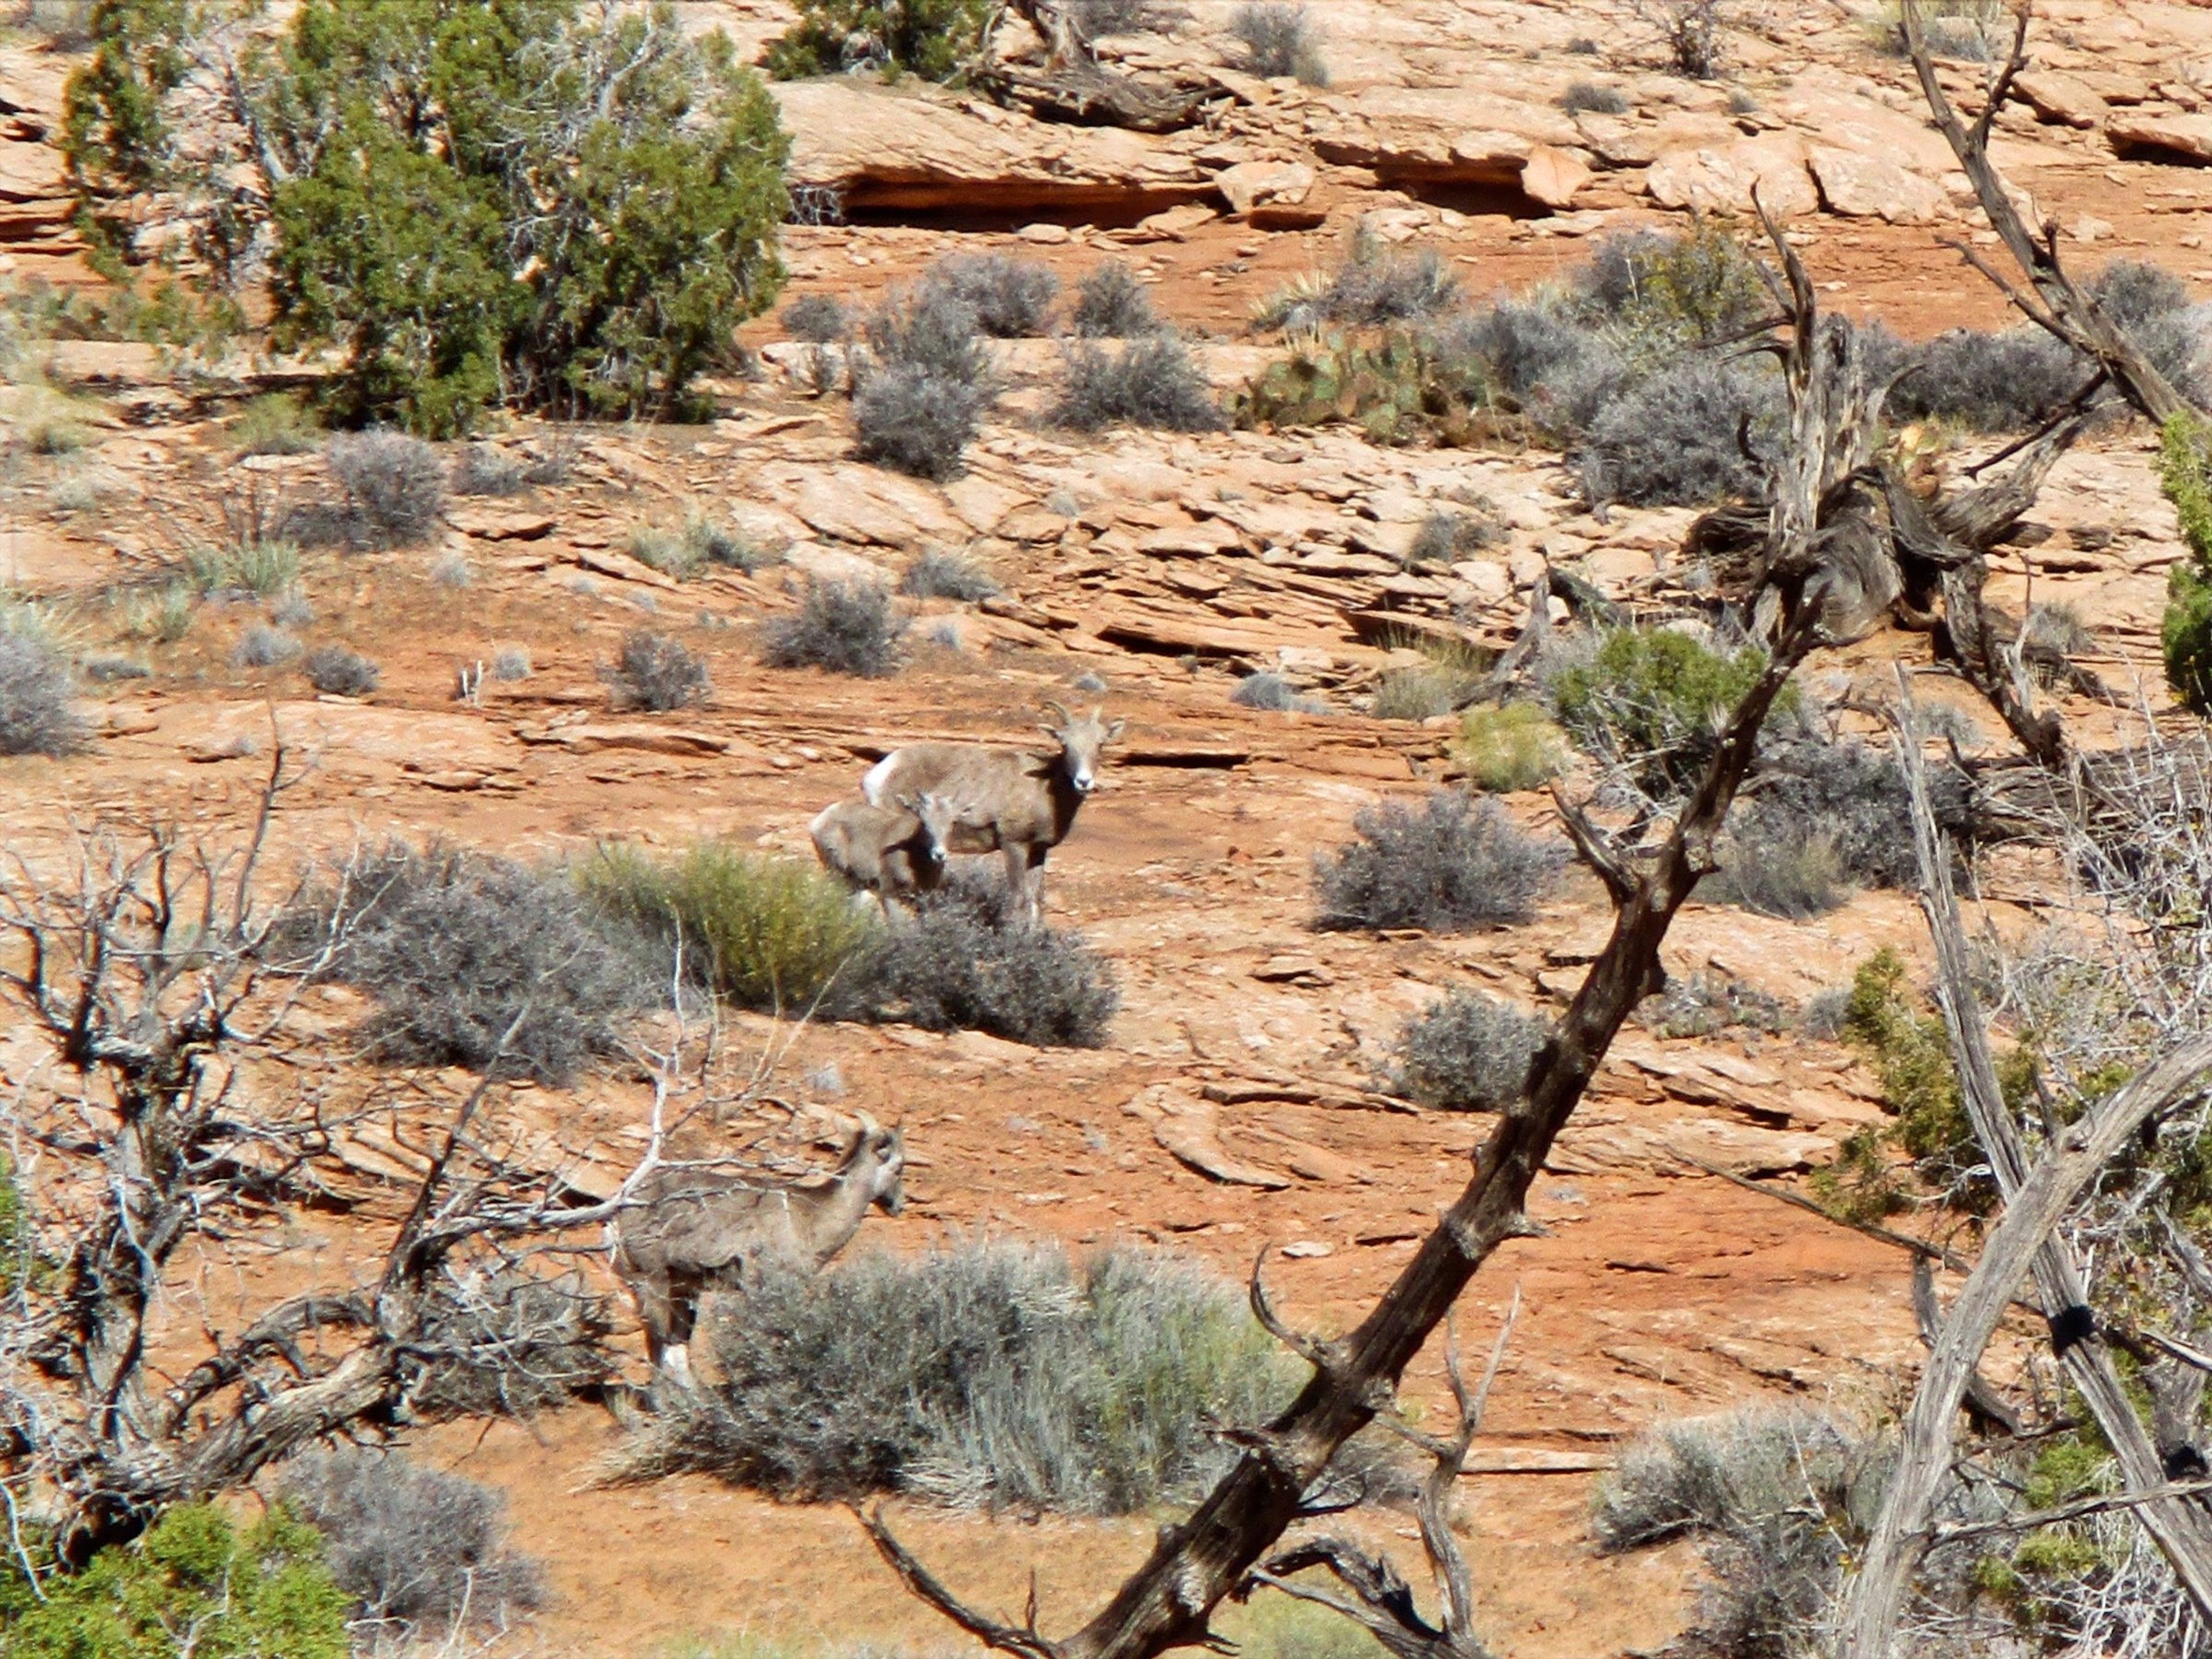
(277, 424)
(1651, 701)
(966, 962)
(765, 933)
(1912, 1054)
(1374, 287)
(982, 1376)
(700, 540)
(1504, 750)
(2186, 632)
(18, 1234)
(1395, 389)
(1787, 876)
(937, 575)
(341, 672)
(933, 39)
(192, 1583)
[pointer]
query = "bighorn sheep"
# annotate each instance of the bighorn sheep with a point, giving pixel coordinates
(893, 851)
(683, 1232)
(1018, 804)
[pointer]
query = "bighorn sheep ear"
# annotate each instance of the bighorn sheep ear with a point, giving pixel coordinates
(1059, 712)
(1114, 731)
(868, 1125)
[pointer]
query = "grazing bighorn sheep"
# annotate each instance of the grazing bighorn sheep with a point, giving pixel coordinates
(683, 1232)
(893, 852)
(1017, 804)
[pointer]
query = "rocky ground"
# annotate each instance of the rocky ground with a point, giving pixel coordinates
(1164, 567)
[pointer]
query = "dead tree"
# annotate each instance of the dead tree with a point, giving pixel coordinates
(1168, 1601)
(1072, 85)
(2052, 301)
(2038, 1196)
(153, 973)
(1382, 1602)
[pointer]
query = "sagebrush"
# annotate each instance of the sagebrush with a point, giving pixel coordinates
(1449, 865)
(844, 627)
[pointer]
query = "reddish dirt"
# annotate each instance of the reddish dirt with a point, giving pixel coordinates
(1652, 1291)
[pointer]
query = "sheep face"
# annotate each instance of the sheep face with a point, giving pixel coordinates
(1082, 739)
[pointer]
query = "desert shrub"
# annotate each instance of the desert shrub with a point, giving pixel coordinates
(488, 470)
(819, 318)
(654, 672)
(452, 570)
(967, 963)
(938, 575)
(62, 25)
(277, 424)
(1111, 304)
(1279, 39)
(105, 670)
(1991, 382)
(1778, 1498)
(1791, 877)
(262, 647)
(2186, 631)
(1412, 694)
(1150, 382)
(258, 566)
(1450, 865)
(48, 422)
(1094, 19)
(1704, 1004)
(1592, 97)
(1506, 749)
(2058, 627)
(982, 1375)
(682, 550)
(192, 1582)
(1665, 291)
(1854, 797)
(1373, 287)
(395, 484)
(1910, 1053)
(1556, 366)
(36, 713)
(917, 422)
(764, 933)
(1446, 535)
(556, 213)
(1651, 701)
(509, 663)
(163, 615)
(413, 1547)
(1265, 690)
(1396, 388)
(1012, 297)
(1689, 34)
(1469, 1052)
(505, 1343)
(2132, 293)
(1670, 439)
(471, 960)
(844, 628)
(342, 673)
(933, 38)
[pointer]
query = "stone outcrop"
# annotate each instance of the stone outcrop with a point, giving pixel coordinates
(2171, 140)
(1719, 178)
(922, 153)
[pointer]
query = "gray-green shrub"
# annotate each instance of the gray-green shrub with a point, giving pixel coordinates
(1279, 39)
(1450, 865)
(37, 716)
(654, 672)
(1469, 1052)
(1111, 304)
(843, 627)
(966, 962)
(394, 483)
(1011, 297)
(340, 672)
(1151, 381)
(982, 1376)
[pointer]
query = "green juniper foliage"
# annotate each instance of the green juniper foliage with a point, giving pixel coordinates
(194, 1583)
(514, 201)
(2185, 472)
(933, 38)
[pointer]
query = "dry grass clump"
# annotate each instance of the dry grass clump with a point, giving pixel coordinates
(1012, 297)
(1279, 40)
(1504, 750)
(938, 575)
(262, 647)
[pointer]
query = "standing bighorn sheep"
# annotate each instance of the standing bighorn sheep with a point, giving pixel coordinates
(683, 1232)
(893, 852)
(1017, 804)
